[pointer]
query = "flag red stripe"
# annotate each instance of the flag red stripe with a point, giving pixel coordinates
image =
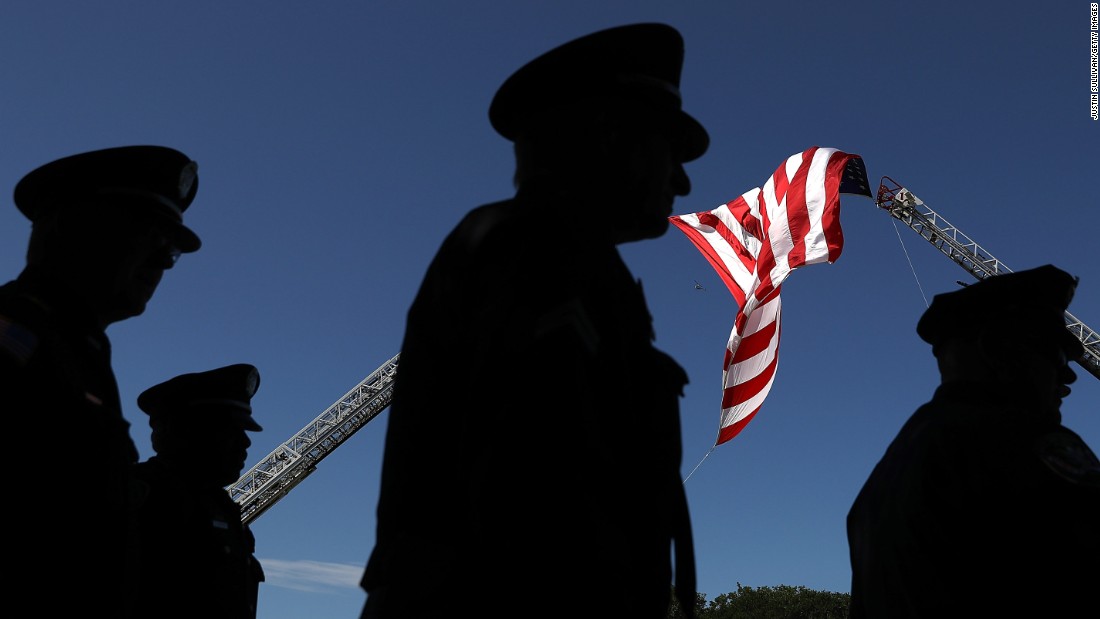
(732, 396)
(732, 430)
(779, 184)
(830, 215)
(742, 212)
(798, 212)
(754, 343)
(765, 262)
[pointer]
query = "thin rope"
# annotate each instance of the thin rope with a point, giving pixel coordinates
(911, 267)
(698, 465)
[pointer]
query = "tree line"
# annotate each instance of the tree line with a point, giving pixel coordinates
(780, 602)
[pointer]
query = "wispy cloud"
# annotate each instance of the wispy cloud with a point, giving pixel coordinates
(311, 576)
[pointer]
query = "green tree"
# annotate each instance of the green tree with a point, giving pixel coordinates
(676, 612)
(780, 602)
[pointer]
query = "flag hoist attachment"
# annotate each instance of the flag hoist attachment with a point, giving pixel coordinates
(932, 227)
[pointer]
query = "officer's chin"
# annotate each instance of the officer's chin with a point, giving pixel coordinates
(643, 230)
(129, 309)
(137, 305)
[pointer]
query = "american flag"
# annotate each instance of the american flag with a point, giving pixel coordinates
(754, 242)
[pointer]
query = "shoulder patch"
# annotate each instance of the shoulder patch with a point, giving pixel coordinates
(16, 341)
(1070, 458)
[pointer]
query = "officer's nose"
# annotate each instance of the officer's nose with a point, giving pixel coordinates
(681, 184)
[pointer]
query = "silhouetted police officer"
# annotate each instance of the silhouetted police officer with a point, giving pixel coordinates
(984, 505)
(553, 488)
(194, 556)
(105, 225)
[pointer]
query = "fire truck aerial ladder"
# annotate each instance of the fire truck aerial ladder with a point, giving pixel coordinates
(913, 212)
(273, 477)
(283, 469)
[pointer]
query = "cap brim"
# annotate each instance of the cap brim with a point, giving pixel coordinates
(186, 240)
(246, 421)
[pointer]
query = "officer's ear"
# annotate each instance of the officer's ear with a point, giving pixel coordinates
(968, 355)
(1001, 349)
(990, 343)
(51, 234)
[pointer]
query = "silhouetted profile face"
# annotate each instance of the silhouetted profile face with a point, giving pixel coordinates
(649, 177)
(226, 452)
(1035, 369)
(114, 257)
(206, 445)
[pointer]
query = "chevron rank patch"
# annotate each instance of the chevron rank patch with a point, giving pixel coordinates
(16, 340)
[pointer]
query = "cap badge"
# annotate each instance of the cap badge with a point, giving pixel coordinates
(187, 178)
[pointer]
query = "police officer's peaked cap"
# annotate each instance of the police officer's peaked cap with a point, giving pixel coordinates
(227, 390)
(637, 61)
(1035, 299)
(161, 177)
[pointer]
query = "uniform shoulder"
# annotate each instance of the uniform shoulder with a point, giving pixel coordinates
(23, 320)
(495, 226)
(1068, 456)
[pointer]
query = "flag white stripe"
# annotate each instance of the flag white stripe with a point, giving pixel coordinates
(815, 203)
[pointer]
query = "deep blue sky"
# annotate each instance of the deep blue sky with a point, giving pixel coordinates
(339, 141)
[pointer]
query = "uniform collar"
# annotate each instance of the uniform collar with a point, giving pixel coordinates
(55, 299)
